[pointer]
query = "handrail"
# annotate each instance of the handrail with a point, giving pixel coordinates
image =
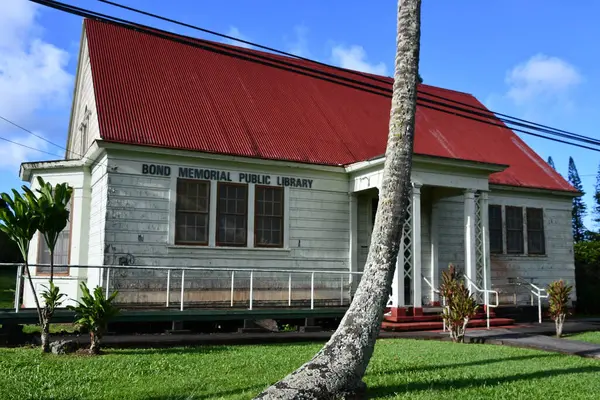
(486, 299)
(538, 292)
(183, 269)
(188, 268)
(442, 297)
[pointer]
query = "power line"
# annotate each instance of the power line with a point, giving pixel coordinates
(363, 75)
(253, 57)
(28, 147)
(30, 132)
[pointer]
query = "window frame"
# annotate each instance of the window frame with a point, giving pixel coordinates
(500, 230)
(526, 248)
(521, 229)
(186, 243)
(220, 184)
(542, 231)
(42, 242)
(256, 216)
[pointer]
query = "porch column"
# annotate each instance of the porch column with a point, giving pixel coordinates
(485, 233)
(470, 246)
(353, 250)
(433, 270)
(416, 249)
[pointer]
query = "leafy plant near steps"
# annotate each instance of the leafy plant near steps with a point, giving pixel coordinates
(558, 298)
(52, 299)
(460, 306)
(93, 313)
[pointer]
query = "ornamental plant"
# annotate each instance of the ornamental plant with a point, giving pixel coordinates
(558, 298)
(93, 313)
(460, 306)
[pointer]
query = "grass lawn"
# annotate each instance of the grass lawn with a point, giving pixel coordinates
(398, 369)
(7, 287)
(592, 337)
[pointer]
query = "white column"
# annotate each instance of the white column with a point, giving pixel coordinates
(487, 267)
(434, 268)
(469, 223)
(416, 244)
(398, 282)
(250, 220)
(353, 250)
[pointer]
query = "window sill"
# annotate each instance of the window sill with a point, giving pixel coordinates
(228, 248)
(508, 255)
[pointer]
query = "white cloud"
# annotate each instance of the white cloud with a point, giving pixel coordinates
(541, 78)
(33, 79)
(299, 45)
(355, 58)
(12, 155)
(235, 32)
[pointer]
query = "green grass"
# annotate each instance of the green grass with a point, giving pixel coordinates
(398, 369)
(592, 337)
(7, 287)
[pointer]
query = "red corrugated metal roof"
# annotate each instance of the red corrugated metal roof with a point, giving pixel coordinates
(157, 92)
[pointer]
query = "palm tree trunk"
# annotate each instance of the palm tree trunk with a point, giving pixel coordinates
(51, 263)
(34, 293)
(337, 369)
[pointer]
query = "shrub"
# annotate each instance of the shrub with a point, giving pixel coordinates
(558, 299)
(460, 306)
(94, 313)
(52, 299)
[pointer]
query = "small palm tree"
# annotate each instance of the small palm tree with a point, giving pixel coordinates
(52, 208)
(19, 221)
(94, 313)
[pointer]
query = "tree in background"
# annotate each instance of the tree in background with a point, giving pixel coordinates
(336, 371)
(579, 207)
(551, 162)
(596, 209)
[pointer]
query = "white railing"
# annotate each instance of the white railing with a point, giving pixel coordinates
(537, 292)
(107, 272)
(435, 290)
(486, 298)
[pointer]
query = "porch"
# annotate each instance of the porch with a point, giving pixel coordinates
(447, 223)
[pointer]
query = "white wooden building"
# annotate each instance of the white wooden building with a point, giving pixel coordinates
(192, 153)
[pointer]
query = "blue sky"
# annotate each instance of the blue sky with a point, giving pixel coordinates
(527, 59)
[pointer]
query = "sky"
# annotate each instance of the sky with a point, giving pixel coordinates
(530, 60)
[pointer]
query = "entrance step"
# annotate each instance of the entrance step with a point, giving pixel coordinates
(438, 325)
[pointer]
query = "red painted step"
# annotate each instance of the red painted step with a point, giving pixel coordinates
(429, 317)
(438, 325)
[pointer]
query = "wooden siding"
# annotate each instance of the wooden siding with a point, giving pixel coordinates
(139, 217)
(84, 98)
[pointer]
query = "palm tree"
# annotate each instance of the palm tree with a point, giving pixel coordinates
(52, 207)
(19, 221)
(337, 369)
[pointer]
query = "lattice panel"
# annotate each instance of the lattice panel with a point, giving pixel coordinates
(407, 252)
(479, 251)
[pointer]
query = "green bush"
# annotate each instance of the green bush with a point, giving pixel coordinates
(460, 306)
(93, 313)
(558, 299)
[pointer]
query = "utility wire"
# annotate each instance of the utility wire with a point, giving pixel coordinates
(253, 57)
(28, 147)
(363, 75)
(32, 133)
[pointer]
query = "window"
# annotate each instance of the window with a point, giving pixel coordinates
(192, 208)
(62, 251)
(514, 230)
(495, 216)
(268, 212)
(535, 231)
(232, 214)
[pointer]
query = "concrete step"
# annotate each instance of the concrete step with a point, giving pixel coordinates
(438, 325)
